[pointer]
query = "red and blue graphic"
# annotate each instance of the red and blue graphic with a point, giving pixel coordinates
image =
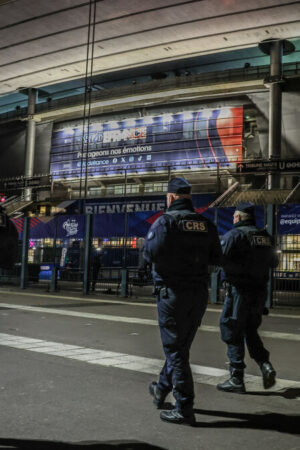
(199, 139)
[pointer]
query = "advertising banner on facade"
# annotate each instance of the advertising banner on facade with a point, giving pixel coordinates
(289, 219)
(203, 137)
(109, 217)
(111, 222)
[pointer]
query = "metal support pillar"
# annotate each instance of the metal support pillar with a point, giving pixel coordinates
(87, 253)
(276, 48)
(24, 260)
(214, 279)
(30, 141)
(124, 270)
(271, 228)
(54, 272)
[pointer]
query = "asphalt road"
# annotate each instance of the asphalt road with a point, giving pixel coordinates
(74, 373)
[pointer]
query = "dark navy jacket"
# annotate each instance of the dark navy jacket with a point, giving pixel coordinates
(181, 244)
(248, 254)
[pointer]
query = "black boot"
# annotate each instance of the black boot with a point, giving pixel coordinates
(157, 394)
(234, 384)
(268, 373)
(174, 416)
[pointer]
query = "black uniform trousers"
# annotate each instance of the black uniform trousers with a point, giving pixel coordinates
(240, 320)
(180, 311)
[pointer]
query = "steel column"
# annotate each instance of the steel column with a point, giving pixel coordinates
(214, 278)
(54, 273)
(271, 228)
(30, 141)
(276, 48)
(24, 260)
(87, 252)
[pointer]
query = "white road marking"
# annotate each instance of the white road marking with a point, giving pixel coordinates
(202, 374)
(121, 302)
(135, 320)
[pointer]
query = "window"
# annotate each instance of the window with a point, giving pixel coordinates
(42, 210)
(94, 192)
(119, 242)
(119, 189)
(289, 245)
(156, 187)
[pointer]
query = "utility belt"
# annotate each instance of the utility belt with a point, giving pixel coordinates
(242, 287)
(164, 290)
(161, 290)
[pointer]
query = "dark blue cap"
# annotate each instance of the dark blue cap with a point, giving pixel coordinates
(179, 186)
(246, 207)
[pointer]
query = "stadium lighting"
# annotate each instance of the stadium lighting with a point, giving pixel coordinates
(97, 126)
(113, 125)
(167, 118)
(187, 115)
(148, 120)
(130, 122)
(225, 113)
(205, 114)
(69, 131)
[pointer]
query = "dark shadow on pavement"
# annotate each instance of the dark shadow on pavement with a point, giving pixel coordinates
(290, 393)
(261, 421)
(28, 444)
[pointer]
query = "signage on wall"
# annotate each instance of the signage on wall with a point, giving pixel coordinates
(269, 166)
(203, 137)
(22, 182)
(289, 219)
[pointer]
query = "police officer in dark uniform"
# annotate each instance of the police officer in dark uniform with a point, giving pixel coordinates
(248, 255)
(180, 245)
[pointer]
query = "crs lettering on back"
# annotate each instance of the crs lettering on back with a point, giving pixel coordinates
(262, 241)
(194, 225)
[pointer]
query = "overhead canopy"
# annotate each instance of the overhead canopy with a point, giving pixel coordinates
(44, 42)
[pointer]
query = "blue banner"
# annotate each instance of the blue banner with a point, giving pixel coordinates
(288, 219)
(63, 227)
(141, 214)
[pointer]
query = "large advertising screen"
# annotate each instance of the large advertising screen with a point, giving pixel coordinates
(200, 138)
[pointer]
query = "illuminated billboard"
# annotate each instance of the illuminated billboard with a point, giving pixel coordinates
(201, 138)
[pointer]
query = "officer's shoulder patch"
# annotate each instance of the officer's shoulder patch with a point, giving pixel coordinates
(150, 235)
(262, 241)
(195, 225)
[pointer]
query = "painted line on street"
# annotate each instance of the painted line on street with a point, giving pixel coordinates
(201, 374)
(134, 320)
(122, 302)
(78, 299)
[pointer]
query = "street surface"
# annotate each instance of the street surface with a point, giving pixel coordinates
(75, 373)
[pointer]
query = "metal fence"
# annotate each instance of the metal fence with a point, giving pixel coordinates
(83, 260)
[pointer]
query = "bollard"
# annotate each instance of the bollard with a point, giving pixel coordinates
(124, 283)
(53, 283)
(214, 290)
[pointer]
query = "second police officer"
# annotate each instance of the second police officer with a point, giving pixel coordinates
(248, 255)
(180, 245)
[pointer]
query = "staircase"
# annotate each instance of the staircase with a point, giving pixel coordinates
(14, 206)
(294, 195)
(242, 193)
